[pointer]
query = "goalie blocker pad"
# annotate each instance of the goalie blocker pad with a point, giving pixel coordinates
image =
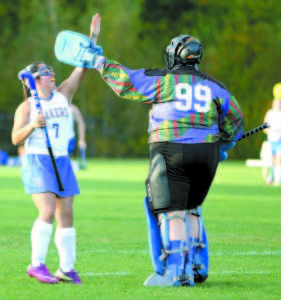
(76, 49)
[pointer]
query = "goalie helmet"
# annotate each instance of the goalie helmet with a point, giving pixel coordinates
(277, 91)
(183, 50)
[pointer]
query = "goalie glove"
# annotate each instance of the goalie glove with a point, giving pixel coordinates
(224, 147)
(77, 50)
(223, 156)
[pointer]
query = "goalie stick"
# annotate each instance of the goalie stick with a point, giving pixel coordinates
(253, 131)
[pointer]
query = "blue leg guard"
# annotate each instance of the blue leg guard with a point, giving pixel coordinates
(191, 251)
(154, 239)
(200, 249)
(201, 259)
(170, 266)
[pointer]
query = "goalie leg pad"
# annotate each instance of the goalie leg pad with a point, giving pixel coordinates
(201, 259)
(154, 239)
(200, 248)
(157, 184)
(76, 49)
(173, 254)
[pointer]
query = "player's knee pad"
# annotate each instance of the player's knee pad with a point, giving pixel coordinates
(200, 248)
(157, 184)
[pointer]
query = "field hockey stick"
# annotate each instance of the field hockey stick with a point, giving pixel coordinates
(253, 131)
(83, 158)
(227, 146)
(25, 74)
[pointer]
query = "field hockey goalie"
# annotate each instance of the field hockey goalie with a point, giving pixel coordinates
(159, 252)
(194, 266)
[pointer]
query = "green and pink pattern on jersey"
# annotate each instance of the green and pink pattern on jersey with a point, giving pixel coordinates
(166, 121)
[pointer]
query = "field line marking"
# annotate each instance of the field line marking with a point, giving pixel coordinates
(106, 274)
(232, 272)
(247, 253)
(146, 252)
(218, 253)
(225, 272)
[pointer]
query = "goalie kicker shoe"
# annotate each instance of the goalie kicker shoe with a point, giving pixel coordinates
(177, 272)
(41, 273)
(171, 278)
(71, 276)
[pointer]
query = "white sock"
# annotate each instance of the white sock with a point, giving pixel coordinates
(65, 239)
(40, 239)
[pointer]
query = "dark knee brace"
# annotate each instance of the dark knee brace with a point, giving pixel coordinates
(157, 184)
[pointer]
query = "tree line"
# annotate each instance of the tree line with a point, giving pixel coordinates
(240, 39)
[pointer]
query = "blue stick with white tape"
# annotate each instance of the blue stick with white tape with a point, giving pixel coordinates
(32, 86)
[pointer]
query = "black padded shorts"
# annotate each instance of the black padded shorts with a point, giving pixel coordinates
(191, 169)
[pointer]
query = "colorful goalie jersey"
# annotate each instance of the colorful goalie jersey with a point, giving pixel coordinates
(188, 106)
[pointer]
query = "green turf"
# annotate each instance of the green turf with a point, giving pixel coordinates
(241, 213)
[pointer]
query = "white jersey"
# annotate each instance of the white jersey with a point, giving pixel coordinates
(57, 112)
(273, 118)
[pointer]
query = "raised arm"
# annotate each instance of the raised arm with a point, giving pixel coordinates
(95, 28)
(69, 86)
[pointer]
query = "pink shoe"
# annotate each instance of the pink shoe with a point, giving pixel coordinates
(41, 273)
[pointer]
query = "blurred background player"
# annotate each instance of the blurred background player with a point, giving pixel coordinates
(267, 162)
(4, 157)
(191, 115)
(37, 171)
(273, 118)
(76, 117)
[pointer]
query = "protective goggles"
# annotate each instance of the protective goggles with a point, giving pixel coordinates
(44, 71)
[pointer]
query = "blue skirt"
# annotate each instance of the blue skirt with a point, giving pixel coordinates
(275, 147)
(38, 175)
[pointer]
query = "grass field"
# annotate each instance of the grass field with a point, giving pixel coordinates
(242, 219)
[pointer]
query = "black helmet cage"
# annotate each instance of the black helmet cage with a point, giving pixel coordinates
(183, 49)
